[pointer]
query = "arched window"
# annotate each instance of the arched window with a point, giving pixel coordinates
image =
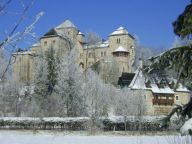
(81, 65)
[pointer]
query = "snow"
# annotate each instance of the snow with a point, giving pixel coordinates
(120, 119)
(36, 44)
(139, 80)
(98, 45)
(66, 24)
(120, 49)
(120, 30)
(23, 53)
(42, 137)
(181, 88)
(80, 33)
(53, 119)
(165, 90)
(186, 127)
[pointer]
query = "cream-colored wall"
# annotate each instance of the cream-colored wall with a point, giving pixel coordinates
(22, 67)
(184, 97)
(162, 109)
(61, 45)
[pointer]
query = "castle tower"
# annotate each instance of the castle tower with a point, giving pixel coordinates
(122, 47)
(80, 37)
(67, 28)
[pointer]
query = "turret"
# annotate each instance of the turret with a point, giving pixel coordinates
(80, 37)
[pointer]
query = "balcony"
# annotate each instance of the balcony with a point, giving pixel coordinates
(163, 102)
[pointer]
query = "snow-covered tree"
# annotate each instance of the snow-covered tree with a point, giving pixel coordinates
(98, 98)
(130, 103)
(70, 85)
(19, 31)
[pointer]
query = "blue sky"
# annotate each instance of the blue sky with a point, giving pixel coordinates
(150, 20)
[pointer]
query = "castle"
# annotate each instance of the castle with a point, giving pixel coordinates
(119, 48)
(117, 53)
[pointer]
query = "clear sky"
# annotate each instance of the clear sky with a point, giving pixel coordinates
(150, 20)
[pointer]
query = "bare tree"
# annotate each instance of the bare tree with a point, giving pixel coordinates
(11, 39)
(92, 39)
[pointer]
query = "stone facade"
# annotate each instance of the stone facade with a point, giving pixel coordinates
(119, 47)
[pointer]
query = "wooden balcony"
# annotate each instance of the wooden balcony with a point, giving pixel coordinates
(163, 101)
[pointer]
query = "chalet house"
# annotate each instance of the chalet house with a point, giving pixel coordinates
(157, 92)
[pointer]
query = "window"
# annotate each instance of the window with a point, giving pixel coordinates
(81, 55)
(105, 53)
(101, 53)
(176, 97)
(53, 41)
(118, 40)
(89, 55)
(45, 43)
(81, 65)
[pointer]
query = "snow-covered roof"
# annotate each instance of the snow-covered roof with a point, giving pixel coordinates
(120, 49)
(23, 53)
(166, 90)
(66, 24)
(101, 44)
(80, 33)
(121, 30)
(140, 79)
(36, 44)
(181, 88)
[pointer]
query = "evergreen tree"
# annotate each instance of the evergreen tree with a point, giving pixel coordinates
(179, 60)
(51, 69)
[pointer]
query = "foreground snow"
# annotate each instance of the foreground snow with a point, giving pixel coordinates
(186, 127)
(28, 137)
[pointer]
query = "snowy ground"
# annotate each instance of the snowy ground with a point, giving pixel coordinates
(45, 137)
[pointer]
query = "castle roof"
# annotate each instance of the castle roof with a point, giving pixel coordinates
(66, 24)
(80, 33)
(119, 31)
(51, 32)
(120, 49)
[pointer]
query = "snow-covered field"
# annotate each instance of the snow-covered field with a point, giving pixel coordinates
(28, 137)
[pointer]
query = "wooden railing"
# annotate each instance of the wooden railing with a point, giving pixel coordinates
(163, 101)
